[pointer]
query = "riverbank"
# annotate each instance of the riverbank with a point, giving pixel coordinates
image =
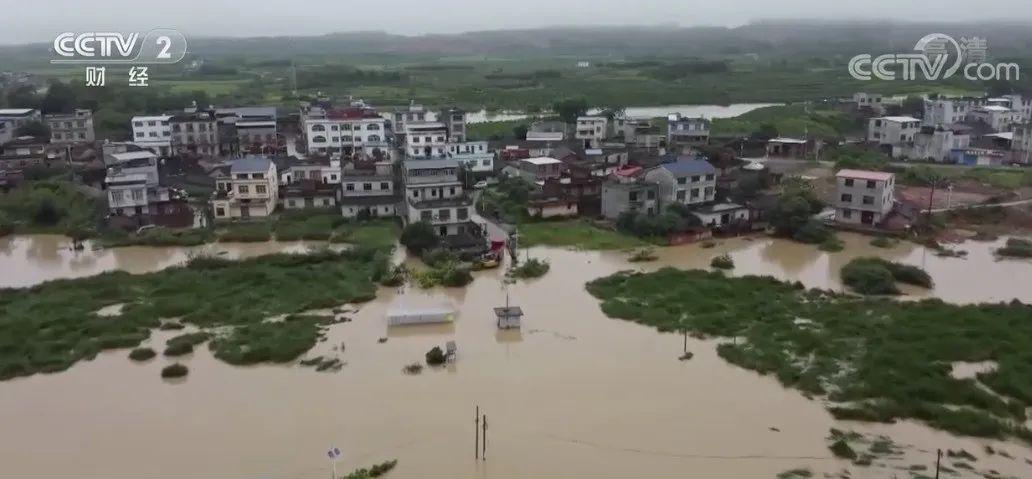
(585, 395)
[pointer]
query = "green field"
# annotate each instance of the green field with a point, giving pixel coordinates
(575, 234)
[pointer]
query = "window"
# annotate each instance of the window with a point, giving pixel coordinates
(709, 177)
(333, 127)
(260, 189)
(847, 198)
(220, 211)
(651, 194)
(902, 137)
(243, 189)
(487, 163)
(632, 196)
(139, 134)
(682, 181)
(871, 184)
(326, 202)
(681, 195)
(367, 187)
(868, 200)
(709, 191)
(847, 213)
(462, 214)
(350, 187)
(138, 123)
(318, 128)
(241, 176)
(318, 139)
(848, 182)
(695, 193)
(258, 176)
(451, 191)
(373, 127)
(116, 195)
(137, 195)
(333, 177)
(695, 179)
(151, 123)
(425, 216)
(877, 123)
(440, 139)
(444, 214)
(415, 193)
(153, 134)
(385, 186)
(415, 139)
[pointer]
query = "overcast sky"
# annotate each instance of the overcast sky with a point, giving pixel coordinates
(27, 21)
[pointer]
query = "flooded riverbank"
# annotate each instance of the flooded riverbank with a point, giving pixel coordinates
(573, 394)
(26, 260)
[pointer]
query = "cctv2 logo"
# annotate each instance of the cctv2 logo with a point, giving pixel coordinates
(162, 45)
(931, 61)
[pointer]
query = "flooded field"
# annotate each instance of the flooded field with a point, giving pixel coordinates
(573, 394)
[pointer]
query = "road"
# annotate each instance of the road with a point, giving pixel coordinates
(1006, 204)
(496, 231)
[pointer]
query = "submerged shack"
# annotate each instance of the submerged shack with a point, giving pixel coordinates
(508, 317)
(402, 315)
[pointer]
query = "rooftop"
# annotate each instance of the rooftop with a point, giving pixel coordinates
(719, 208)
(251, 164)
(684, 167)
(541, 160)
(793, 141)
(133, 155)
(995, 108)
(865, 175)
(898, 119)
(509, 311)
(152, 117)
(430, 164)
(16, 111)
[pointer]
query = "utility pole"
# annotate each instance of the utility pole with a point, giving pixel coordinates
(938, 458)
(483, 452)
(476, 431)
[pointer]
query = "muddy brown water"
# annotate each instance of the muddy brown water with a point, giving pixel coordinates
(572, 394)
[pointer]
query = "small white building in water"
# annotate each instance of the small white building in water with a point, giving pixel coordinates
(508, 317)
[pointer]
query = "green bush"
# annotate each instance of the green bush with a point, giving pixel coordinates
(869, 277)
(142, 354)
(840, 448)
(723, 261)
(184, 343)
(174, 371)
(832, 245)
(1016, 248)
(643, 255)
(435, 356)
(532, 268)
(882, 242)
(246, 233)
(419, 237)
(812, 232)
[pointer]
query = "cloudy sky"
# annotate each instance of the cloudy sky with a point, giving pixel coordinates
(26, 21)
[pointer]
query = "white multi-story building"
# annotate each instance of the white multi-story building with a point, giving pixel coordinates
(892, 130)
(946, 111)
(426, 140)
(474, 156)
(684, 133)
(434, 194)
(454, 121)
(402, 117)
(996, 117)
(864, 197)
(76, 127)
(687, 181)
(873, 101)
(591, 130)
(18, 117)
(250, 190)
(368, 188)
(348, 131)
(195, 132)
(935, 144)
(153, 133)
(133, 185)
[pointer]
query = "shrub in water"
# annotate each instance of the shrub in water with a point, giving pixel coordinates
(142, 354)
(1016, 248)
(723, 261)
(435, 356)
(867, 277)
(532, 268)
(174, 371)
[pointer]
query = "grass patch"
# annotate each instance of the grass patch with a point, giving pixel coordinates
(1016, 248)
(142, 354)
(158, 237)
(879, 276)
(875, 355)
(531, 268)
(575, 234)
(643, 255)
(375, 471)
(799, 473)
(382, 234)
(883, 242)
(832, 245)
(310, 226)
(257, 232)
(723, 261)
(51, 206)
(49, 327)
(184, 343)
(174, 371)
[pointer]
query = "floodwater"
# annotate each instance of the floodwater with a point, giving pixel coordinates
(572, 394)
(26, 260)
(705, 111)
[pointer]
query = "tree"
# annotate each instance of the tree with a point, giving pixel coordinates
(570, 108)
(35, 129)
(520, 131)
(793, 210)
(419, 237)
(766, 132)
(60, 98)
(23, 97)
(913, 106)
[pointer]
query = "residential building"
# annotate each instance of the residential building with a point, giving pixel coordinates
(979, 156)
(947, 111)
(591, 130)
(633, 195)
(454, 121)
(255, 128)
(250, 190)
(426, 140)
(863, 197)
(355, 130)
(368, 188)
(684, 133)
(869, 101)
(402, 117)
(995, 117)
(895, 133)
(23, 152)
(688, 181)
(722, 215)
(786, 148)
(319, 170)
(18, 117)
(474, 156)
(153, 133)
(136, 197)
(76, 127)
(6, 131)
(307, 194)
(434, 194)
(1022, 144)
(195, 133)
(936, 143)
(537, 169)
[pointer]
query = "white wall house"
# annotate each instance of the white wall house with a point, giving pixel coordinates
(350, 130)
(250, 190)
(895, 131)
(683, 133)
(998, 118)
(132, 183)
(864, 197)
(434, 194)
(946, 111)
(935, 144)
(473, 155)
(591, 130)
(370, 189)
(686, 181)
(153, 133)
(873, 101)
(426, 140)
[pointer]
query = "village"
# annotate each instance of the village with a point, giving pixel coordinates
(837, 280)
